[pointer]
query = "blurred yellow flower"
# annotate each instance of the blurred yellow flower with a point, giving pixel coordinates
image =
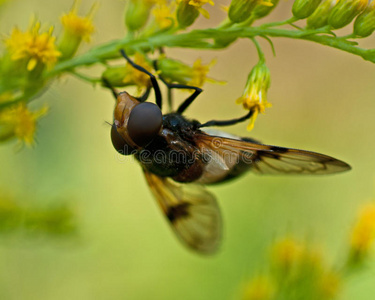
(311, 260)
(78, 26)
(260, 288)
(76, 29)
(198, 5)
(285, 253)
(199, 73)
(176, 71)
(33, 46)
(329, 285)
(164, 15)
(6, 96)
(363, 232)
(22, 122)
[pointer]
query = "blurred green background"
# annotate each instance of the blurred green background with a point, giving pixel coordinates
(323, 100)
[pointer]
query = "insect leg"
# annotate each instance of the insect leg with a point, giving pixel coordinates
(227, 122)
(152, 78)
(170, 86)
(108, 85)
(145, 95)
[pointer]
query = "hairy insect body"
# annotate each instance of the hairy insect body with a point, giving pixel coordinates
(173, 153)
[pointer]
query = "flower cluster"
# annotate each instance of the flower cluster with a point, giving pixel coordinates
(173, 71)
(163, 14)
(29, 55)
(57, 221)
(35, 56)
(363, 234)
(336, 14)
(298, 270)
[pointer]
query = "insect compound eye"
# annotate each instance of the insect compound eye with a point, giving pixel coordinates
(144, 123)
(119, 143)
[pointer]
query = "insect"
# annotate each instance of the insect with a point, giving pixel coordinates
(179, 156)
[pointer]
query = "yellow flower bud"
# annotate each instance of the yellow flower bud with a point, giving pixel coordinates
(240, 10)
(320, 16)
(76, 29)
(345, 11)
(262, 10)
(115, 76)
(19, 122)
(254, 96)
(364, 25)
(176, 71)
(304, 8)
(259, 288)
(127, 75)
(363, 234)
(137, 14)
(186, 14)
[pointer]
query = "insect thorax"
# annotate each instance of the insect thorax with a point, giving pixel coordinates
(172, 153)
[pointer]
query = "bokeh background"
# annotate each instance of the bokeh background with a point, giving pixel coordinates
(323, 100)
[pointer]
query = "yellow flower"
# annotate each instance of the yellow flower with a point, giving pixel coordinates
(22, 122)
(363, 232)
(345, 11)
(198, 4)
(285, 253)
(260, 288)
(78, 26)
(137, 77)
(76, 29)
(241, 10)
(189, 10)
(177, 71)
(329, 285)
(199, 73)
(364, 25)
(33, 46)
(255, 94)
(164, 15)
(5, 97)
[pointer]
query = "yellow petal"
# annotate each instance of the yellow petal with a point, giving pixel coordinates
(31, 64)
(204, 13)
(252, 120)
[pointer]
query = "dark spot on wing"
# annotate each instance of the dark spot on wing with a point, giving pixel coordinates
(178, 211)
(250, 140)
(278, 149)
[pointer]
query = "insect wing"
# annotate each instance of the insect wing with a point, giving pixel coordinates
(265, 159)
(191, 210)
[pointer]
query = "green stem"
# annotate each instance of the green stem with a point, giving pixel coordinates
(280, 23)
(202, 39)
(259, 49)
(85, 77)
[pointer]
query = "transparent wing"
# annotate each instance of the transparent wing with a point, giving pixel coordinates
(191, 210)
(265, 159)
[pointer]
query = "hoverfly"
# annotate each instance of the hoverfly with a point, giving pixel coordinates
(179, 156)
